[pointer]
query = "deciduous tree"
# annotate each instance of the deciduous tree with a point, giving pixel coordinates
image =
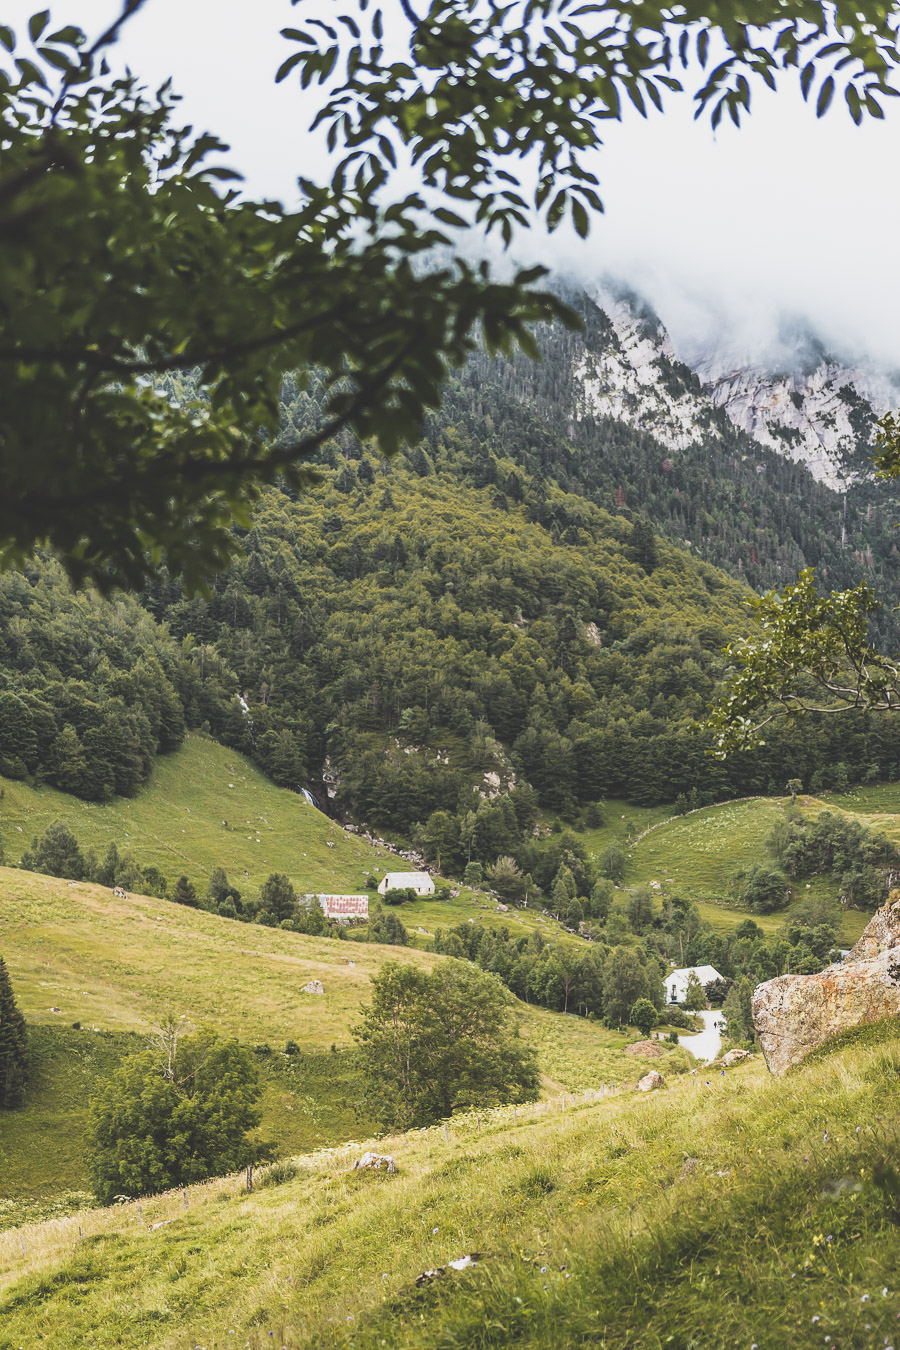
(432, 1043)
(174, 1114)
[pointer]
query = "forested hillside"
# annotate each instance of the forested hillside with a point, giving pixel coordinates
(749, 510)
(420, 636)
(484, 627)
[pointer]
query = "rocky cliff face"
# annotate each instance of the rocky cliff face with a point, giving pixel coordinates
(815, 411)
(794, 1014)
(823, 418)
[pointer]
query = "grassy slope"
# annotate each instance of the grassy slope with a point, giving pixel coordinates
(117, 966)
(725, 1212)
(178, 821)
(698, 855)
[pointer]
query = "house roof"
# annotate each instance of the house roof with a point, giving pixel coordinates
(705, 974)
(401, 879)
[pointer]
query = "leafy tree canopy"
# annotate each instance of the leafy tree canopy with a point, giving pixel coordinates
(432, 1043)
(129, 261)
(174, 1114)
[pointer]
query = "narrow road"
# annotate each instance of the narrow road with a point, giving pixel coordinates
(705, 1044)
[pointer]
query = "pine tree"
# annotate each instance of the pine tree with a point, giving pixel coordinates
(13, 1045)
(184, 893)
(278, 897)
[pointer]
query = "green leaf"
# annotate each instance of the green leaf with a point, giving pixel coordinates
(450, 218)
(37, 23)
(287, 66)
(825, 95)
(580, 219)
(7, 38)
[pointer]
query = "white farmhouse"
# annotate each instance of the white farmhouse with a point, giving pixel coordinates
(420, 882)
(676, 981)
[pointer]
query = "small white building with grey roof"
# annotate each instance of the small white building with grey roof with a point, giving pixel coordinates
(420, 882)
(676, 981)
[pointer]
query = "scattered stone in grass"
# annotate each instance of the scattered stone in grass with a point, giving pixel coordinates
(314, 987)
(375, 1162)
(734, 1056)
(651, 1081)
(461, 1263)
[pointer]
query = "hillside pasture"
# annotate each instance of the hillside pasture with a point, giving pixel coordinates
(710, 1213)
(702, 856)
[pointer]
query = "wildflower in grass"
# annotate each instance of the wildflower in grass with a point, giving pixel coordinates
(864, 1299)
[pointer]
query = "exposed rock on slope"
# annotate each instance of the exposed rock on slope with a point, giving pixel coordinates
(820, 413)
(794, 1014)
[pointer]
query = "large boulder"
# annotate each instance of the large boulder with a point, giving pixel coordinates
(651, 1081)
(794, 1014)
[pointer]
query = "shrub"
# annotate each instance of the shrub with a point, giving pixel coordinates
(276, 1174)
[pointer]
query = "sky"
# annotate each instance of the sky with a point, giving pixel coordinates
(730, 235)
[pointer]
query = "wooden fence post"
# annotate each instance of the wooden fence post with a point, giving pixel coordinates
(249, 1177)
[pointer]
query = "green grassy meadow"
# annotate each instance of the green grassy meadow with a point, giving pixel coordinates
(734, 1210)
(78, 954)
(700, 856)
(205, 806)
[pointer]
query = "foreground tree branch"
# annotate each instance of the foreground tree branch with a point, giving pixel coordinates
(148, 313)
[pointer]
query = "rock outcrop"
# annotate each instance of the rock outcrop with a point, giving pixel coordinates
(651, 1081)
(376, 1161)
(794, 1014)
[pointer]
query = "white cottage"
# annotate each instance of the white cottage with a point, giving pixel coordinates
(420, 882)
(676, 981)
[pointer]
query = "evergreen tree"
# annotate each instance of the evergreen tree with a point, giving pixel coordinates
(278, 899)
(56, 853)
(13, 1045)
(184, 892)
(643, 543)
